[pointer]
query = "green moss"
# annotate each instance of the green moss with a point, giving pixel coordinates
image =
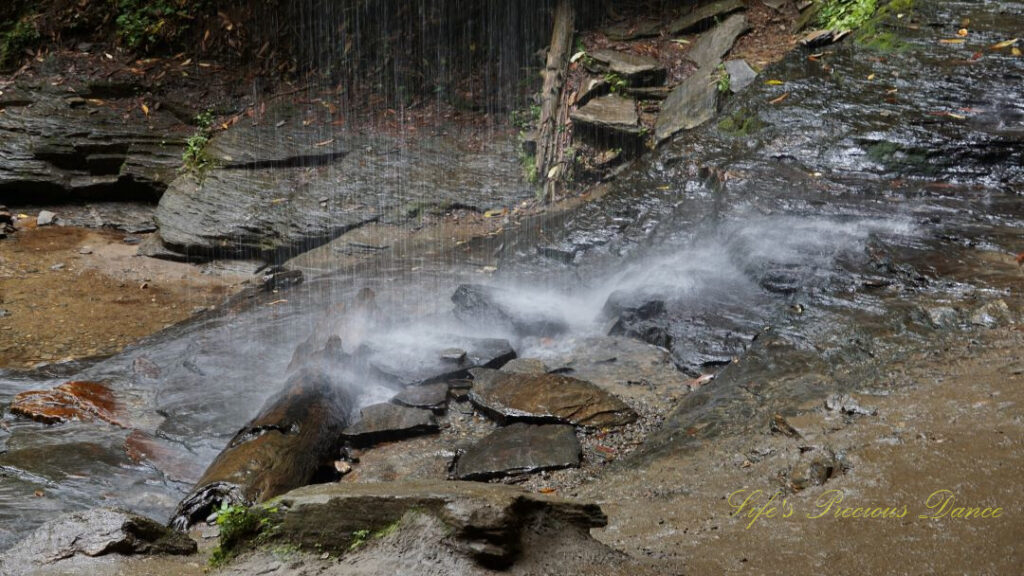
(241, 526)
(15, 40)
(741, 123)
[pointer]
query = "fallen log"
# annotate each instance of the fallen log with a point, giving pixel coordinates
(282, 448)
(552, 115)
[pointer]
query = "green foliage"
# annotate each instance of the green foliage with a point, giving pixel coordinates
(146, 24)
(238, 526)
(195, 159)
(617, 84)
(741, 123)
(845, 14)
(525, 118)
(361, 537)
(15, 40)
(878, 32)
(722, 79)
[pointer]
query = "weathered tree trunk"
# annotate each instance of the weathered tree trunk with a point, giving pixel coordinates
(281, 449)
(549, 150)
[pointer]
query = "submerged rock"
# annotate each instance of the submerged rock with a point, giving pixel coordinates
(76, 400)
(546, 398)
(384, 422)
(92, 533)
(520, 449)
(490, 306)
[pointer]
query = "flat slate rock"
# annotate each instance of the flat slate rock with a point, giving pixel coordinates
(520, 449)
(419, 366)
(635, 69)
(546, 398)
(525, 366)
(609, 113)
(426, 396)
(703, 14)
(92, 533)
(709, 49)
(691, 104)
(487, 522)
(384, 422)
(740, 74)
(632, 30)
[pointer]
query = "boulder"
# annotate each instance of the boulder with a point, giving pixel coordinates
(709, 49)
(384, 422)
(546, 398)
(486, 522)
(45, 218)
(520, 449)
(634, 69)
(525, 366)
(92, 533)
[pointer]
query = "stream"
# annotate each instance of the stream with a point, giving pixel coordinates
(874, 208)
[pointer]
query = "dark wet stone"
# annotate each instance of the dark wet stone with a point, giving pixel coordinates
(485, 521)
(385, 422)
(635, 69)
(546, 398)
(704, 14)
(609, 114)
(418, 367)
(709, 49)
(92, 533)
(740, 75)
(476, 304)
(690, 104)
(76, 400)
(637, 305)
(426, 396)
(520, 449)
(525, 366)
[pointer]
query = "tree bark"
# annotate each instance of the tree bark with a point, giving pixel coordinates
(549, 150)
(282, 448)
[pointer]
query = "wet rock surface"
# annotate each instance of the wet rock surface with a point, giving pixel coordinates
(92, 533)
(383, 422)
(76, 400)
(546, 398)
(690, 104)
(450, 358)
(520, 449)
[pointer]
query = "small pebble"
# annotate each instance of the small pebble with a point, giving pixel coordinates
(132, 240)
(85, 250)
(57, 267)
